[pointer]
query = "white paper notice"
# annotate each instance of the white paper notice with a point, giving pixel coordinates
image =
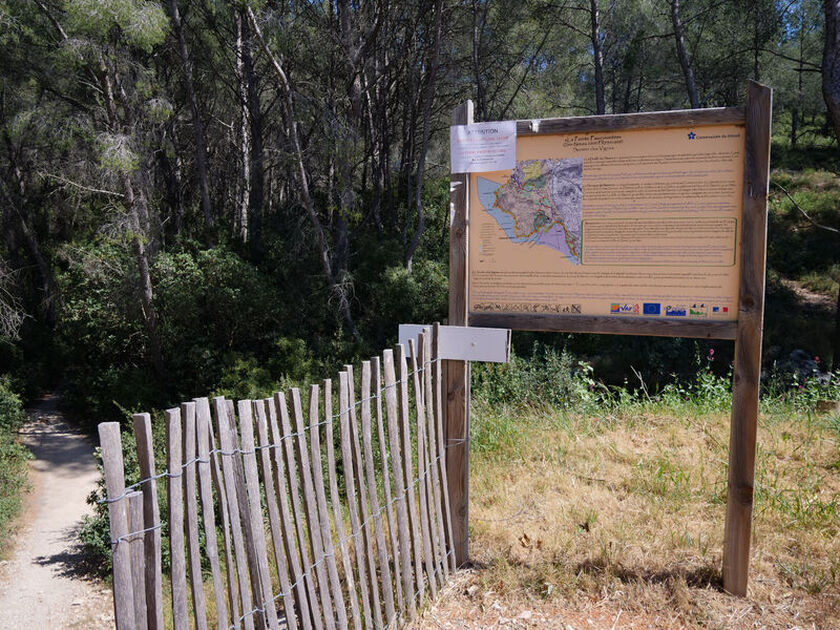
(482, 147)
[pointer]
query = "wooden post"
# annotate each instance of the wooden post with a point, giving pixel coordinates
(112, 462)
(739, 501)
(174, 459)
(458, 372)
(151, 514)
(136, 523)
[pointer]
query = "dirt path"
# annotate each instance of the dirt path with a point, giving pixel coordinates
(41, 585)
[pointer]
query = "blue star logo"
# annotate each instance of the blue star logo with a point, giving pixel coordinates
(691, 135)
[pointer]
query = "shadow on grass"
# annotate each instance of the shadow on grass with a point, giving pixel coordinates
(705, 576)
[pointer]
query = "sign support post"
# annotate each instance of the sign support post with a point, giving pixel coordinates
(457, 373)
(747, 368)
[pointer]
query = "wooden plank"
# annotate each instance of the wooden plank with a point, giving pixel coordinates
(422, 471)
(457, 373)
(386, 586)
(437, 375)
(191, 504)
(274, 513)
(297, 511)
(255, 516)
(151, 513)
(136, 523)
(321, 499)
(227, 535)
(287, 521)
(438, 537)
(112, 463)
(205, 492)
(606, 324)
(309, 504)
(617, 122)
(408, 471)
(747, 367)
(177, 558)
(248, 526)
(338, 517)
(350, 490)
(386, 483)
(463, 343)
(228, 454)
(391, 409)
(358, 464)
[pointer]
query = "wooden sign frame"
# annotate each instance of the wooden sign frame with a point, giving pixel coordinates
(746, 331)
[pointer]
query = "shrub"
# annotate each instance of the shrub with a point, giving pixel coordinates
(13, 456)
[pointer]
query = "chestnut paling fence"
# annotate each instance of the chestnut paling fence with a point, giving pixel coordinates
(325, 513)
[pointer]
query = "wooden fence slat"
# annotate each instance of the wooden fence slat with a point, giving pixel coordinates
(422, 472)
(228, 448)
(386, 483)
(314, 524)
(292, 555)
(248, 533)
(350, 488)
(180, 615)
(255, 516)
(438, 538)
(205, 491)
(112, 462)
(338, 517)
(401, 497)
(274, 513)
(385, 582)
(189, 487)
(365, 517)
(321, 499)
(227, 535)
(443, 466)
(151, 514)
(292, 468)
(408, 470)
(136, 523)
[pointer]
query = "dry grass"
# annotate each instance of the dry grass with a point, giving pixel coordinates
(617, 522)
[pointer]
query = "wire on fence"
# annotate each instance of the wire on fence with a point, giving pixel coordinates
(129, 489)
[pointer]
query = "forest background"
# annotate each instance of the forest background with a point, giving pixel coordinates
(231, 196)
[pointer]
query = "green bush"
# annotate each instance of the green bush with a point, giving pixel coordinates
(13, 456)
(546, 379)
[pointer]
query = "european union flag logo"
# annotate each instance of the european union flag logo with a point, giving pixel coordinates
(650, 308)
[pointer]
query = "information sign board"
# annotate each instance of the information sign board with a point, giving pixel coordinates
(640, 222)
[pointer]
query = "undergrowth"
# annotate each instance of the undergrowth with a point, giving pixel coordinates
(13, 457)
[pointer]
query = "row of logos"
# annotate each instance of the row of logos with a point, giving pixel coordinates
(497, 307)
(670, 310)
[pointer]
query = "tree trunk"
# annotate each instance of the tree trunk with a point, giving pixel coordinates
(831, 64)
(597, 57)
(831, 95)
(256, 196)
(241, 215)
(300, 167)
(428, 97)
(198, 127)
(682, 54)
(137, 210)
(477, 31)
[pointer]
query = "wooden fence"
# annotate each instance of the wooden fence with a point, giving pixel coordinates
(279, 517)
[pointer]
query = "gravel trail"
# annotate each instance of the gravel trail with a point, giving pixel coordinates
(42, 585)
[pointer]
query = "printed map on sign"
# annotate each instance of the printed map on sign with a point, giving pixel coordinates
(541, 203)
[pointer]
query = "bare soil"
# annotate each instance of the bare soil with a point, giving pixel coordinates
(43, 584)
